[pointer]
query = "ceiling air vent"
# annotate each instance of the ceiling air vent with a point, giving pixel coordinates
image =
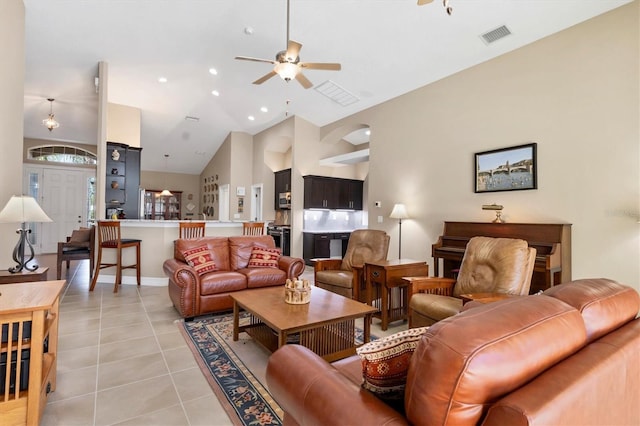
(336, 93)
(495, 35)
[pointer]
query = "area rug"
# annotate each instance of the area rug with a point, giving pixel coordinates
(245, 399)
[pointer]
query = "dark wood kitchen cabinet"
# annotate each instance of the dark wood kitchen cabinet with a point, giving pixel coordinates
(321, 192)
(282, 184)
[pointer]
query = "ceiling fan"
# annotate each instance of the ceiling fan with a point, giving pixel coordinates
(445, 3)
(288, 65)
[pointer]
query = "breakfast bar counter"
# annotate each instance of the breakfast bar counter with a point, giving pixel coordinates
(157, 238)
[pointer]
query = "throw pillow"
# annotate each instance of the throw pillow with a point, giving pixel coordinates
(262, 257)
(81, 235)
(200, 259)
(385, 363)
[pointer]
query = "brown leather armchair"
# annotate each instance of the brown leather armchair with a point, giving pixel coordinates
(489, 265)
(345, 276)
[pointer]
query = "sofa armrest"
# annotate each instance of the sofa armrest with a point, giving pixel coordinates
(431, 285)
(293, 266)
(322, 264)
(184, 286)
(312, 391)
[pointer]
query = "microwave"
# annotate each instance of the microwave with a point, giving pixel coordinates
(284, 200)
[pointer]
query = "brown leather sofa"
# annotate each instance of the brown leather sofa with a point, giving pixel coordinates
(194, 295)
(570, 356)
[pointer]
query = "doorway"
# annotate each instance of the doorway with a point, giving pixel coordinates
(256, 202)
(223, 203)
(65, 195)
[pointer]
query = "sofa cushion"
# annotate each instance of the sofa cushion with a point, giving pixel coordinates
(385, 363)
(604, 304)
(219, 247)
(200, 259)
(264, 277)
(338, 278)
(262, 257)
(464, 363)
(222, 282)
(240, 248)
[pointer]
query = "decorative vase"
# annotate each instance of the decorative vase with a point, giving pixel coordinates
(114, 184)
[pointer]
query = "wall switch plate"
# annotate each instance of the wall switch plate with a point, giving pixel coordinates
(380, 219)
(378, 204)
(236, 216)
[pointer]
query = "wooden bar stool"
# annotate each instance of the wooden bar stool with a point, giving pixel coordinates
(109, 238)
(191, 230)
(252, 228)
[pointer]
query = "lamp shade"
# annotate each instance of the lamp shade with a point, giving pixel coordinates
(399, 212)
(166, 193)
(22, 208)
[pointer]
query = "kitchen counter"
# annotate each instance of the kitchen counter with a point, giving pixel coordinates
(157, 238)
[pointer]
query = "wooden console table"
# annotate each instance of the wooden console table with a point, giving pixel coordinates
(29, 328)
(39, 274)
(386, 290)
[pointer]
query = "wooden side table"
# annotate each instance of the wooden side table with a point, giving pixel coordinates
(24, 276)
(387, 291)
(485, 297)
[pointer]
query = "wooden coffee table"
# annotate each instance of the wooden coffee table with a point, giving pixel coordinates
(326, 325)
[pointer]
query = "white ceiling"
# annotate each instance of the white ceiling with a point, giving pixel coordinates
(386, 48)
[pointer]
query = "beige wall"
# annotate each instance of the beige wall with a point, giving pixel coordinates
(189, 185)
(575, 93)
(241, 177)
(123, 124)
(11, 115)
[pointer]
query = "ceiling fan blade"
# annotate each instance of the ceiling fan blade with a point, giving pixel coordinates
(423, 2)
(321, 66)
(265, 77)
(293, 50)
(303, 80)
(246, 58)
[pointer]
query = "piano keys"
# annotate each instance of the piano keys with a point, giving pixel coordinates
(551, 241)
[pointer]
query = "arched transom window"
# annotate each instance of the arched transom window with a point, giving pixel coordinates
(62, 154)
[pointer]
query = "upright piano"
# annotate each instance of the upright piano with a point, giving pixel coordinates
(551, 241)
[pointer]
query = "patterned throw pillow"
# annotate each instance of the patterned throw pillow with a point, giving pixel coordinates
(385, 363)
(262, 257)
(200, 259)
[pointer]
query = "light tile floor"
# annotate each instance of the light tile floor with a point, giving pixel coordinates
(123, 361)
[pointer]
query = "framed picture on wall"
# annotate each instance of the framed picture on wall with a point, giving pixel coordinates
(506, 169)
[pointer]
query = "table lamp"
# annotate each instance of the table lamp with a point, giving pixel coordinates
(399, 212)
(22, 209)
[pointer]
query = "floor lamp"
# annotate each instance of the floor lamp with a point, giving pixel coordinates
(399, 212)
(23, 209)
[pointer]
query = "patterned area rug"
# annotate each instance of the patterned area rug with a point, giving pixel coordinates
(245, 399)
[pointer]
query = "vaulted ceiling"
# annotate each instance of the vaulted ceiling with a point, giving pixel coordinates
(386, 48)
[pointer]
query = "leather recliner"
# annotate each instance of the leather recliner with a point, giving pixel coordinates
(489, 265)
(345, 276)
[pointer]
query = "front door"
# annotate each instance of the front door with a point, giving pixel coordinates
(64, 197)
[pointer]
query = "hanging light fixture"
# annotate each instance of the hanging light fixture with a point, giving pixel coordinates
(165, 192)
(50, 121)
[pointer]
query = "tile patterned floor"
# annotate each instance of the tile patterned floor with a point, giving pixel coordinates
(123, 361)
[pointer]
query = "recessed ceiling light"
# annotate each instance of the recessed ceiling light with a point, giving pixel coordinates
(213, 71)
(162, 79)
(264, 109)
(248, 30)
(251, 117)
(215, 93)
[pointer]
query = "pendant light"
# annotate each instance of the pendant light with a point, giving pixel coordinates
(165, 192)
(50, 121)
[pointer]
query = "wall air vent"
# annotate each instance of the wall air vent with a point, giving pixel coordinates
(495, 35)
(336, 93)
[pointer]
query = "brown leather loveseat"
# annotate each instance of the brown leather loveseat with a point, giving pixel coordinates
(570, 356)
(193, 294)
